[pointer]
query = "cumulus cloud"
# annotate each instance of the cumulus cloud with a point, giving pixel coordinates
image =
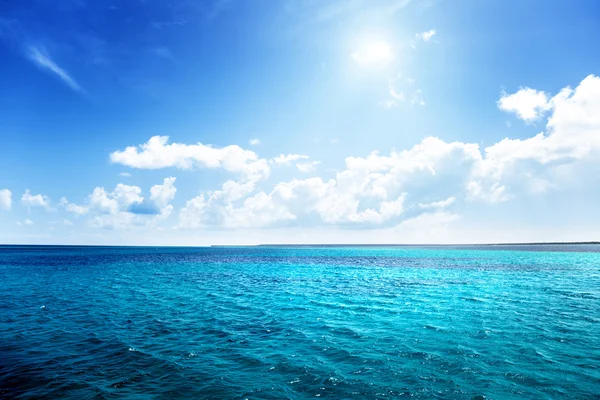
(254, 142)
(163, 194)
(37, 200)
(415, 187)
(158, 153)
(120, 199)
(379, 190)
(529, 104)
(5, 199)
(72, 208)
(125, 207)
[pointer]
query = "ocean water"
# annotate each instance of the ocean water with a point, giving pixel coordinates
(273, 322)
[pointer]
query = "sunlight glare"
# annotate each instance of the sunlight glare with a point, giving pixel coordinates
(373, 54)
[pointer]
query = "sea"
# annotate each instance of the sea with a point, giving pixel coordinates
(304, 322)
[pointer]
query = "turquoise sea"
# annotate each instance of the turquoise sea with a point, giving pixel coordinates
(496, 322)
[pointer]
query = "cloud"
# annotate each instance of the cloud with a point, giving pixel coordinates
(43, 61)
(529, 104)
(125, 174)
(163, 52)
(157, 153)
(125, 207)
(66, 222)
(309, 166)
(534, 164)
(437, 204)
(123, 220)
(401, 90)
(371, 191)
(287, 159)
(162, 195)
(5, 199)
(120, 199)
(384, 190)
(72, 208)
(37, 200)
(427, 35)
(27, 222)
(254, 142)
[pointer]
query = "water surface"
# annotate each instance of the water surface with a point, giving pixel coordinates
(299, 323)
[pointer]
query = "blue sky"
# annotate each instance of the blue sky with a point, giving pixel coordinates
(308, 121)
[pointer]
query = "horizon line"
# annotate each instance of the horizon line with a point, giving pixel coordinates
(316, 245)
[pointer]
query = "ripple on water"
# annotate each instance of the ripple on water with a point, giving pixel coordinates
(298, 323)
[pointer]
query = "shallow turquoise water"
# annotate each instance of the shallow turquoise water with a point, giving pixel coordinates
(266, 323)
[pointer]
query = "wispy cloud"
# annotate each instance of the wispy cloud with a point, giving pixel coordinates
(309, 166)
(163, 52)
(427, 35)
(43, 61)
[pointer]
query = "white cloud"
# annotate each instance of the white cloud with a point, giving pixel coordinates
(427, 35)
(37, 200)
(254, 142)
(309, 166)
(157, 153)
(5, 199)
(529, 104)
(379, 190)
(287, 159)
(101, 201)
(43, 61)
(403, 190)
(163, 194)
(120, 199)
(126, 195)
(437, 204)
(370, 191)
(28, 222)
(396, 95)
(125, 174)
(125, 207)
(73, 208)
(533, 164)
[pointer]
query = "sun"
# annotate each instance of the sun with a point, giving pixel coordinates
(373, 54)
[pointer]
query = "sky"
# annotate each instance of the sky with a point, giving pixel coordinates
(188, 122)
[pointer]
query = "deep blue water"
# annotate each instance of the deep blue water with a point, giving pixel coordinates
(271, 323)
